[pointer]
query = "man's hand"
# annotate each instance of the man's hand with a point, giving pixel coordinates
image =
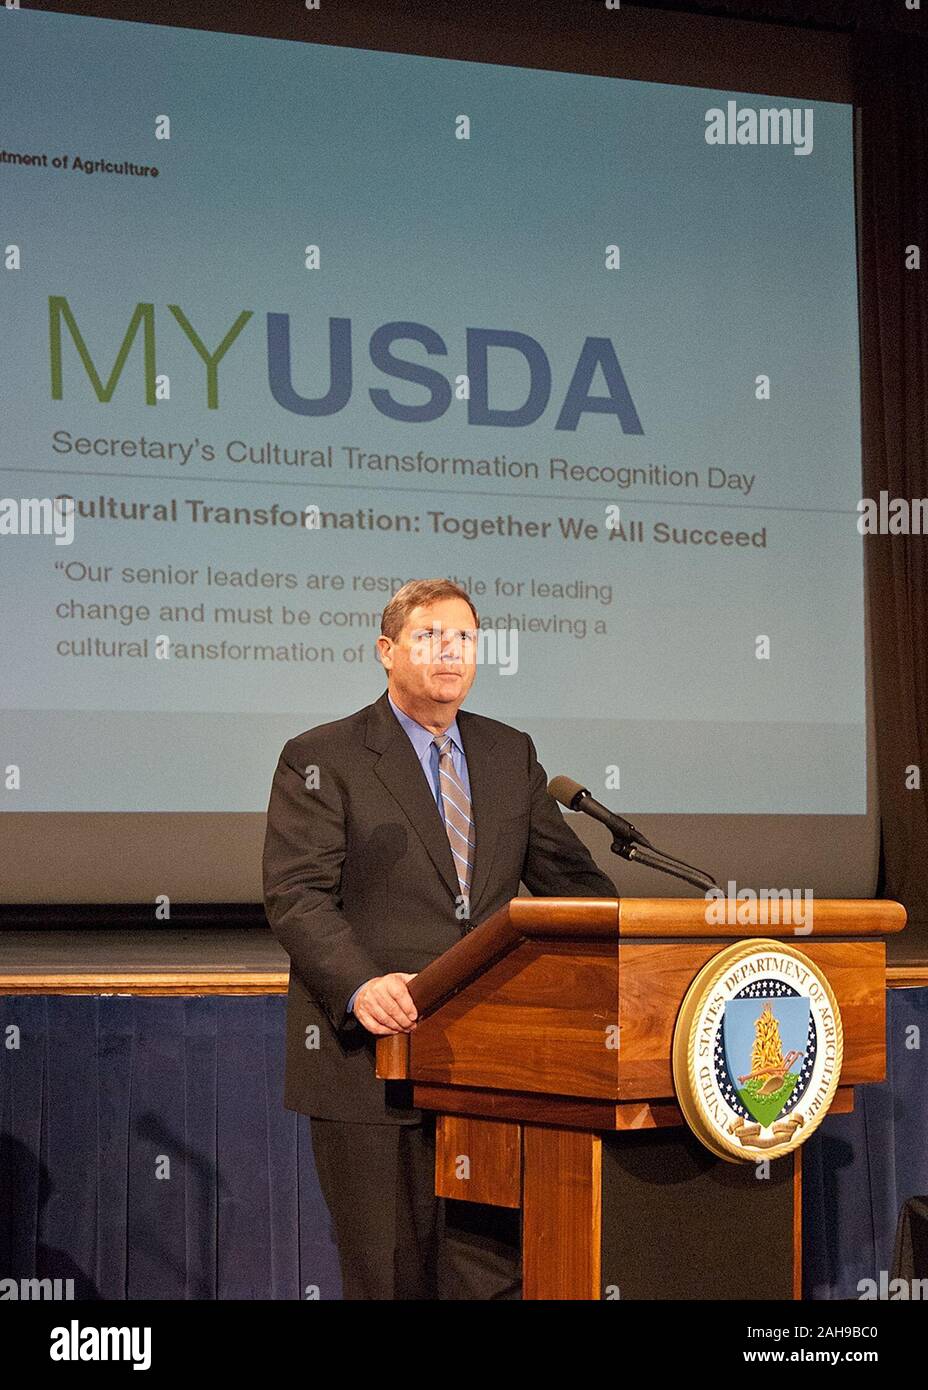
(384, 1004)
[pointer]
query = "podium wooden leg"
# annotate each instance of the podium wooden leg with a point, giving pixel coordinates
(561, 1213)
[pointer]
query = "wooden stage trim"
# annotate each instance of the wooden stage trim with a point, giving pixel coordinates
(189, 982)
(211, 981)
(906, 976)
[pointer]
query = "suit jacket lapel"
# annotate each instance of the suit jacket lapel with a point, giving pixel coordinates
(401, 773)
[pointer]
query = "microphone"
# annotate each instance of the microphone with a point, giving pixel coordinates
(576, 798)
(627, 839)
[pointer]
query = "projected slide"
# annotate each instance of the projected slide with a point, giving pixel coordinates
(287, 325)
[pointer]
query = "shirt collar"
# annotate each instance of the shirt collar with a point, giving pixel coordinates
(420, 735)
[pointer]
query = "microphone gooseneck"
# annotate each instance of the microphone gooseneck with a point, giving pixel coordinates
(627, 839)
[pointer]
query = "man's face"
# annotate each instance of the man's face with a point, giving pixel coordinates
(434, 659)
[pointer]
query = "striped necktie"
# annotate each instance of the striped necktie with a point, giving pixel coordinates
(458, 819)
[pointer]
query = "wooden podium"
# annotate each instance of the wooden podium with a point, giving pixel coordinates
(536, 1110)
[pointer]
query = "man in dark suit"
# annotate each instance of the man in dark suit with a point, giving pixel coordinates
(389, 834)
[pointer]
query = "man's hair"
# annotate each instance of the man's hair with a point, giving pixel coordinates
(416, 592)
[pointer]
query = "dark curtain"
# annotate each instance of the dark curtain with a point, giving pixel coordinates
(892, 79)
(858, 1170)
(145, 1153)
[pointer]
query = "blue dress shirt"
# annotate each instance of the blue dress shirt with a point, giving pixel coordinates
(421, 739)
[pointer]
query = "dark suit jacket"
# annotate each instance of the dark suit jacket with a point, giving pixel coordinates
(359, 881)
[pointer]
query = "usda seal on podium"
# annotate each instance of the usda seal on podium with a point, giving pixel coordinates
(757, 1051)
